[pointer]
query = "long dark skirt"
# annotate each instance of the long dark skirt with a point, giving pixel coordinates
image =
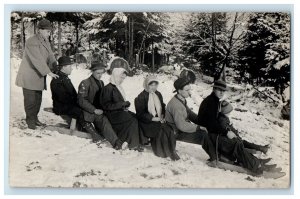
(162, 138)
(126, 127)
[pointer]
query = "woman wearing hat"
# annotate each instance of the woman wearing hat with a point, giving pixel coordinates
(36, 64)
(89, 100)
(115, 106)
(150, 110)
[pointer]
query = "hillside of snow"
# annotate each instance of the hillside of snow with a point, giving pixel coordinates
(41, 158)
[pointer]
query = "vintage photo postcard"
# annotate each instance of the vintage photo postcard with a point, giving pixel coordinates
(150, 99)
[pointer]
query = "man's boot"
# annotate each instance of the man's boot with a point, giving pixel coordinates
(91, 130)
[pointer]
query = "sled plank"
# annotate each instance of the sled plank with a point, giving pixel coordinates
(231, 167)
(68, 132)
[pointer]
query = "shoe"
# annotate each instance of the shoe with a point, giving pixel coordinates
(91, 130)
(38, 123)
(118, 144)
(268, 167)
(31, 124)
(139, 148)
(174, 156)
(265, 161)
(264, 148)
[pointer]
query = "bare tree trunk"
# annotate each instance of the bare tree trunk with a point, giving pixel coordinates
(152, 57)
(126, 43)
(131, 53)
(22, 33)
(34, 26)
(143, 58)
(59, 39)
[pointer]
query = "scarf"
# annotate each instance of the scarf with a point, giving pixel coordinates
(115, 79)
(154, 105)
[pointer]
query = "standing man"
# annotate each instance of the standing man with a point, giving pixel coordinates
(64, 95)
(184, 120)
(36, 64)
(89, 100)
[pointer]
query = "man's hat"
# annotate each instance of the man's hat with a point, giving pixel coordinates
(44, 24)
(64, 60)
(220, 85)
(226, 107)
(180, 83)
(97, 66)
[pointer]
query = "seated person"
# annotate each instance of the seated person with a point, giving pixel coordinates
(150, 111)
(115, 106)
(231, 132)
(184, 121)
(230, 148)
(89, 100)
(64, 95)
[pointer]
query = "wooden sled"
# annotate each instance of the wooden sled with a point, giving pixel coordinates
(72, 130)
(235, 168)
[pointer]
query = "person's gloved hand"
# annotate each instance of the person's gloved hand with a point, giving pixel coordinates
(126, 104)
(202, 128)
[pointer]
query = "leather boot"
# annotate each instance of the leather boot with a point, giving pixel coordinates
(91, 130)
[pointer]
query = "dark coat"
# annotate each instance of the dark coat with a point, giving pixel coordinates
(64, 95)
(149, 127)
(37, 61)
(123, 121)
(89, 97)
(112, 102)
(208, 114)
(224, 122)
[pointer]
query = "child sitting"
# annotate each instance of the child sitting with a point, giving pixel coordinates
(231, 132)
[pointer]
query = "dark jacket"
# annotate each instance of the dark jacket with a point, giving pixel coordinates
(208, 114)
(89, 97)
(141, 106)
(37, 61)
(64, 95)
(112, 102)
(224, 122)
(149, 127)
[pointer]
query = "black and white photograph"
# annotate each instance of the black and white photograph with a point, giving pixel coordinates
(150, 99)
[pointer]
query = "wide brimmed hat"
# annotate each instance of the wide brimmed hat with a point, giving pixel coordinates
(97, 66)
(180, 83)
(44, 24)
(220, 85)
(226, 107)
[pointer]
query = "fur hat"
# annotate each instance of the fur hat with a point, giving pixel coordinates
(226, 107)
(44, 24)
(220, 85)
(180, 83)
(119, 62)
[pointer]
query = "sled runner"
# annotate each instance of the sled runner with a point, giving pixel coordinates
(231, 167)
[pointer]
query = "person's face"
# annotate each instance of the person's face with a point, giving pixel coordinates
(45, 33)
(186, 91)
(98, 73)
(67, 69)
(123, 76)
(153, 86)
(219, 93)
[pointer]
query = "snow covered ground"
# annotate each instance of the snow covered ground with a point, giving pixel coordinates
(43, 158)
